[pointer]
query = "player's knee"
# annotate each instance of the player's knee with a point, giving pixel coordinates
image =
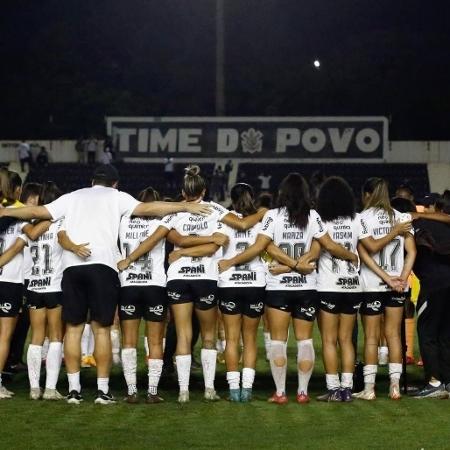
(208, 344)
(280, 361)
(305, 365)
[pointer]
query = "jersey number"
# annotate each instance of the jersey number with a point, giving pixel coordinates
(293, 250)
(335, 261)
(241, 247)
(145, 261)
(388, 256)
(35, 252)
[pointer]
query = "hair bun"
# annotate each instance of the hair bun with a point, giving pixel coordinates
(192, 171)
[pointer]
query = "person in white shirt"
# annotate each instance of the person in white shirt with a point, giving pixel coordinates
(396, 259)
(90, 282)
(192, 276)
(292, 226)
(339, 286)
(265, 181)
(24, 154)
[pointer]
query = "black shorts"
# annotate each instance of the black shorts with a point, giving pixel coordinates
(203, 293)
(39, 300)
(301, 304)
(147, 302)
(90, 292)
(340, 302)
(248, 301)
(373, 303)
(11, 298)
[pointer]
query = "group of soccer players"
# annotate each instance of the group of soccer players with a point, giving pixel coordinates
(98, 252)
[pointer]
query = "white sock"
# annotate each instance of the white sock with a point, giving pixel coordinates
(219, 347)
(223, 343)
(305, 352)
(115, 341)
(370, 374)
(183, 363)
(278, 351)
(154, 374)
(34, 362)
(267, 343)
(395, 371)
(45, 347)
(233, 379)
(332, 380)
(103, 385)
(129, 364)
(209, 361)
(383, 351)
(248, 377)
(91, 342)
(147, 350)
(85, 340)
(74, 382)
(347, 380)
(53, 364)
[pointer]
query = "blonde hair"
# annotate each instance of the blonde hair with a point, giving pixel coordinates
(193, 183)
(378, 191)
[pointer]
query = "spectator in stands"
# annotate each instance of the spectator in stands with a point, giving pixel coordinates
(169, 172)
(92, 146)
(80, 149)
(106, 156)
(108, 147)
(405, 191)
(242, 177)
(265, 181)
(228, 169)
(315, 183)
(42, 157)
(24, 153)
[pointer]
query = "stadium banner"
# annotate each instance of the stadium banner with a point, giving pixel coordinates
(342, 138)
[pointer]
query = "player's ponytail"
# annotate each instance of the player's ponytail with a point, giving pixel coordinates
(193, 183)
(9, 183)
(293, 195)
(242, 197)
(148, 195)
(376, 195)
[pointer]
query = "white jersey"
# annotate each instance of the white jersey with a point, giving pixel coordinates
(13, 271)
(46, 254)
(148, 270)
(204, 268)
(27, 263)
(376, 223)
(250, 274)
(294, 241)
(334, 274)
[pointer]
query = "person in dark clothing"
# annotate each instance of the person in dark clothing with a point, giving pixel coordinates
(432, 267)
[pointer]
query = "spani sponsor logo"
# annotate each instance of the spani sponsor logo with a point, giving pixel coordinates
(139, 276)
(189, 270)
(293, 279)
(243, 276)
(128, 309)
(348, 282)
(158, 310)
(40, 283)
(5, 307)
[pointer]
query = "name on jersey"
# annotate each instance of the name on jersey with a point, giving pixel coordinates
(192, 270)
(243, 234)
(294, 235)
(44, 282)
(339, 235)
(293, 279)
(348, 282)
(194, 227)
(46, 237)
(243, 276)
(136, 235)
(139, 276)
(381, 231)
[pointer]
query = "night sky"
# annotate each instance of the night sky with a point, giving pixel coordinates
(78, 61)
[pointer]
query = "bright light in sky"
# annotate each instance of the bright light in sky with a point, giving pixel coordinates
(316, 63)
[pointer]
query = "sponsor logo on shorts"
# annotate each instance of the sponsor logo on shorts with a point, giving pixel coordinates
(158, 310)
(192, 270)
(5, 307)
(399, 300)
(327, 304)
(296, 279)
(374, 306)
(208, 300)
(128, 309)
(258, 307)
(139, 276)
(173, 295)
(310, 312)
(228, 305)
(357, 306)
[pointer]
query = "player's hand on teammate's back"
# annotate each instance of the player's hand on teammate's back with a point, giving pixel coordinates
(403, 227)
(82, 250)
(123, 264)
(224, 265)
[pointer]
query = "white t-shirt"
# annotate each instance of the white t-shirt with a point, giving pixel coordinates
(148, 270)
(251, 274)
(93, 215)
(23, 150)
(294, 241)
(13, 271)
(375, 222)
(47, 255)
(334, 274)
(204, 268)
(27, 263)
(265, 181)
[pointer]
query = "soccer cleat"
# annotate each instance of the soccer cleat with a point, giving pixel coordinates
(183, 397)
(235, 395)
(346, 394)
(74, 398)
(302, 398)
(394, 391)
(88, 361)
(35, 393)
(132, 399)
(279, 399)
(211, 395)
(333, 395)
(410, 360)
(365, 395)
(246, 395)
(52, 394)
(153, 398)
(104, 399)
(4, 393)
(430, 391)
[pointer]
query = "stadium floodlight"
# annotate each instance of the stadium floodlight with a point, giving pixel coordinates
(316, 64)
